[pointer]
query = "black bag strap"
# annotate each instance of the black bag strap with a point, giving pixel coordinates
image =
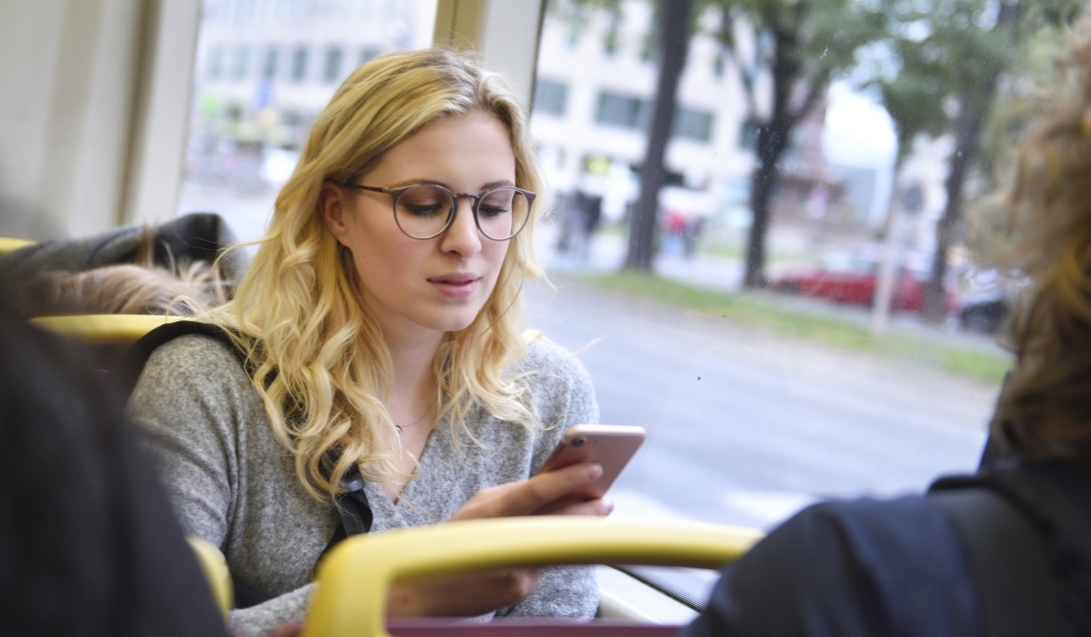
(352, 505)
(1010, 562)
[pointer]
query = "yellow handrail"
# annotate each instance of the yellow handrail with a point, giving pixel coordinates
(350, 600)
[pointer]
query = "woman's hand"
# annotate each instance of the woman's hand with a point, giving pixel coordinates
(539, 495)
(479, 593)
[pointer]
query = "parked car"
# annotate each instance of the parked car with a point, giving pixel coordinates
(852, 278)
(987, 301)
(984, 315)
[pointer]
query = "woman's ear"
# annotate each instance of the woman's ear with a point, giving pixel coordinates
(333, 205)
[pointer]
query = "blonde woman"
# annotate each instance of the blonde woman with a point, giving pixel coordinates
(380, 327)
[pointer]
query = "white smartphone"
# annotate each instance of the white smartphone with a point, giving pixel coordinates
(609, 445)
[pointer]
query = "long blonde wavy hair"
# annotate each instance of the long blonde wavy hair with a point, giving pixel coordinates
(317, 355)
(1045, 409)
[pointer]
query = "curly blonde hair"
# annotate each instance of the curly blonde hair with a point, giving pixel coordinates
(1045, 408)
(318, 356)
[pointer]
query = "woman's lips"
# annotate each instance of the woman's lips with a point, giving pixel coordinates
(455, 285)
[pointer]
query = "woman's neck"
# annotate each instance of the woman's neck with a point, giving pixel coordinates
(413, 391)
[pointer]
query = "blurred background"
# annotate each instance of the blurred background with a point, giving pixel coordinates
(768, 232)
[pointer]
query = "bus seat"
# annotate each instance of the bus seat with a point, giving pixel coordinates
(214, 566)
(11, 244)
(350, 599)
(102, 329)
(108, 335)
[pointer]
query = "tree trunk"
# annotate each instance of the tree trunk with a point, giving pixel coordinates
(772, 141)
(761, 199)
(674, 45)
(976, 102)
(968, 130)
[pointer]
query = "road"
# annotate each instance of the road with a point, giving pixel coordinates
(745, 427)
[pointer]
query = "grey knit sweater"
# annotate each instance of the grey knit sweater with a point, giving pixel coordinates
(234, 485)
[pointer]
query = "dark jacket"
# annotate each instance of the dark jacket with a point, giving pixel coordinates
(899, 567)
(198, 236)
(89, 546)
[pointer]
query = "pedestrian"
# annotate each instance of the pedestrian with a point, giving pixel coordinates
(380, 327)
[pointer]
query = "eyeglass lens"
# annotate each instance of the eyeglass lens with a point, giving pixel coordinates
(422, 212)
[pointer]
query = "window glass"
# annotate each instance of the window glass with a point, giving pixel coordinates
(832, 379)
(241, 64)
(550, 97)
(690, 124)
(331, 71)
(269, 64)
(245, 133)
(615, 109)
(215, 62)
(367, 53)
(299, 63)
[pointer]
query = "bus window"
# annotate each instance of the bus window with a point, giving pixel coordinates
(826, 377)
(263, 72)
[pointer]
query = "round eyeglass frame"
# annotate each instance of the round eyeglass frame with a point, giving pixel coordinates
(395, 193)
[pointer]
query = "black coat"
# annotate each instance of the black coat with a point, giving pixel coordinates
(899, 567)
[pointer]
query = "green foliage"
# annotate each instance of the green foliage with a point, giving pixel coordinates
(945, 57)
(1022, 96)
(766, 314)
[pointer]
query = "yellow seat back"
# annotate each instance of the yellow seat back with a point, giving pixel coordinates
(11, 244)
(214, 566)
(103, 329)
(353, 580)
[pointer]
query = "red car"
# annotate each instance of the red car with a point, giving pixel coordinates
(852, 279)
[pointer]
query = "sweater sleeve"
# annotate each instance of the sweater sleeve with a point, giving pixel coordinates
(193, 402)
(565, 396)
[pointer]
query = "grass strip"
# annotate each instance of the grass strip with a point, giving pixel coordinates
(751, 311)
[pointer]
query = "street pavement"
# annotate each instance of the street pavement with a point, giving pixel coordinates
(745, 426)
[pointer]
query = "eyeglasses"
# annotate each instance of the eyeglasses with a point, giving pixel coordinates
(425, 211)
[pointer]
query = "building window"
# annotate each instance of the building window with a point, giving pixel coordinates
(748, 136)
(216, 63)
(695, 125)
(369, 53)
(241, 63)
(269, 64)
(550, 97)
(299, 64)
(331, 70)
(625, 111)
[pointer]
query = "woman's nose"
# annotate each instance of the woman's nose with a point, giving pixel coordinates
(463, 237)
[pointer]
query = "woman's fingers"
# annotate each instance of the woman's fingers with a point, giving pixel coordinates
(461, 595)
(598, 507)
(478, 593)
(526, 497)
(550, 486)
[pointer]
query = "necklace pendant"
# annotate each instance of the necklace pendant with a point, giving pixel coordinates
(399, 429)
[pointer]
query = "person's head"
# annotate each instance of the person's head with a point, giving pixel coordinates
(383, 106)
(1045, 409)
(338, 273)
